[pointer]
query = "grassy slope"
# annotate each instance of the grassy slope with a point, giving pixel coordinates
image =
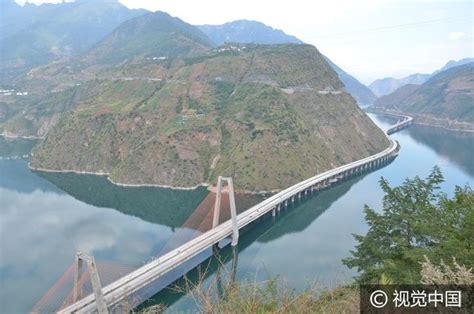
(447, 95)
(224, 107)
(154, 35)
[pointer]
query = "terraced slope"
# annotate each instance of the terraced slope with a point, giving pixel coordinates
(245, 31)
(54, 88)
(268, 116)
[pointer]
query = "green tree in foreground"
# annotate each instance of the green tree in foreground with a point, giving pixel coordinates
(417, 220)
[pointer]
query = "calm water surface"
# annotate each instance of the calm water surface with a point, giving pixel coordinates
(45, 219)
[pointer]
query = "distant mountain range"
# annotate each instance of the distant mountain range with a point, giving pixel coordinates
(361, 93)
(36, 34)
(446, 99)
(244, 31)
(388, 85)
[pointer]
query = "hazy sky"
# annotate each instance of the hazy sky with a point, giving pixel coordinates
(368, 38)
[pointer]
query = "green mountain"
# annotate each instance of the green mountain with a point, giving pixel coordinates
(388, 85)
(446, 99)
(268, 116)
(154, 35)
(35, 34)
(244, 31)
(155, 103)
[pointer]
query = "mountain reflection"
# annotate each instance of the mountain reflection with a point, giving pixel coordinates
(448, 144)
(156, 205)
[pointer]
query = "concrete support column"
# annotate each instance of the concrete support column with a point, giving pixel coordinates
(233, 213)
(217, 204)
(233, 272)
(95, 280)
(77, 292)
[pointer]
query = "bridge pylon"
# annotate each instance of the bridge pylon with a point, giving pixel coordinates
(95, 280)
(233, 209)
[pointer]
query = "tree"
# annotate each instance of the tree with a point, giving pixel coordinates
(416, 220)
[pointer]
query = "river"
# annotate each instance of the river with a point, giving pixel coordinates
(46, 218)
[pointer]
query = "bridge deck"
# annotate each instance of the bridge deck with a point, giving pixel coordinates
(127, 285)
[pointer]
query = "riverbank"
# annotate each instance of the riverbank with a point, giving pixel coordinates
(211, 188)
(446, 124)
(12, 136)
(107, 174)
(202, 184)
(271, 296)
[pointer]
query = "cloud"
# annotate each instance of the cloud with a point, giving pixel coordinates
(456, 35)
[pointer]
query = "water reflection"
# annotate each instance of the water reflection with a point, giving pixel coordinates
(16, 176)
(307, 212)
(45, 218)
(41, 231)
(306, 244)
(455, 146)
(15, 147)
(221, 266)
(156, 205)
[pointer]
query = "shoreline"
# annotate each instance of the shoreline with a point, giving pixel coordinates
(23, 137)
(107, 174)
(203, 184)
(444, 127)
(140, 185)
(417, 122)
